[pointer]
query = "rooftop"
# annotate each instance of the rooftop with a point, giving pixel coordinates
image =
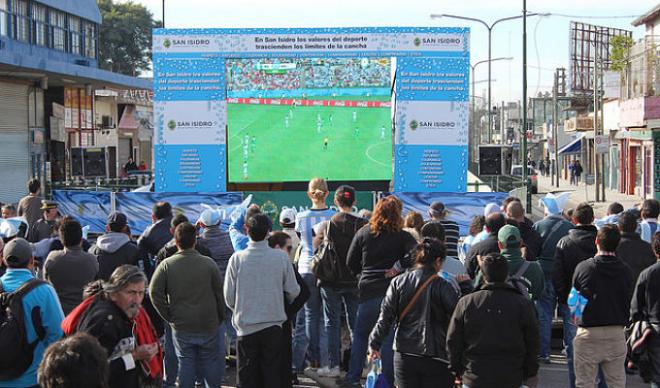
(647, 17)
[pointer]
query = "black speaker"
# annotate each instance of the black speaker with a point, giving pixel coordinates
(77, 162)
(95, 162)
(490, 160)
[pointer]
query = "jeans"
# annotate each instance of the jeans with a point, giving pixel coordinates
(314, 342)
(367, 316)
(222, 329)
(545, 306)
(170, 362)
(299, 343)
(332, 306)
(569, 334)
(421, 372)
(197, 352)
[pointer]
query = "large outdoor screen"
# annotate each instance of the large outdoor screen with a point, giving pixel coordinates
(290, 119)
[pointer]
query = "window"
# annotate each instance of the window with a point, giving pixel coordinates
(90, 39)
(40, 30)
(74, 35)
(58, 26)
(21, 21)
(3, 17)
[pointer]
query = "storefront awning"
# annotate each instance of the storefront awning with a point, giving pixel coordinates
(574, 147)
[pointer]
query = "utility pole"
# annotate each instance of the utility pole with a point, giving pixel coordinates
(524, 110)
(163, 13)
(555, 116)
(596, 163)
(602, 129)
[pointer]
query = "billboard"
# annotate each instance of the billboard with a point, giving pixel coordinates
(285, 105)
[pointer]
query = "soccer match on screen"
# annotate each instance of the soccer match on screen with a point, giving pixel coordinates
(291, 118)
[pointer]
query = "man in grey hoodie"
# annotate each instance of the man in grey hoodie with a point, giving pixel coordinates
(114, 248)
(256, 283)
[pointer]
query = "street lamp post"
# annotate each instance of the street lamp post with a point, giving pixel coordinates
(490, 30)
(474, 92)
(163, 13)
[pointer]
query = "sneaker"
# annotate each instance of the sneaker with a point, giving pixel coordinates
(544, 360)
(329, 372)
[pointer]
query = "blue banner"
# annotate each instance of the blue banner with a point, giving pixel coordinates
(461, 207)
(138, 206)
(88, 207)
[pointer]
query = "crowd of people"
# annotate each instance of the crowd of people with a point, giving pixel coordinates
(248, 74)
(329, 292)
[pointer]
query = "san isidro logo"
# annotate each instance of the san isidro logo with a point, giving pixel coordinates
(417, 42)
(414, 125)
(167, 43)
(171, 125)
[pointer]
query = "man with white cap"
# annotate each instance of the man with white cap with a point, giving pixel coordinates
(551, 229)
(288, 224)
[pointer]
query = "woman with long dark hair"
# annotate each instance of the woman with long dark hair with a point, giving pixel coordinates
(421, 304)
(378, 252)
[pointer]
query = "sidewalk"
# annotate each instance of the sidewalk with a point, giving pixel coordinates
(582, 193)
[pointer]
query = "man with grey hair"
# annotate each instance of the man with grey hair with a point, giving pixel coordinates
(110, 318)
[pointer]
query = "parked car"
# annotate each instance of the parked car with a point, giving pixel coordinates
(516, 170)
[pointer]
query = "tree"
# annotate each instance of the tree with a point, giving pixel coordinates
(125, 38)
(621, 45)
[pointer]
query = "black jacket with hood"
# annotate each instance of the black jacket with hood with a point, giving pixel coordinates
(493, 338)
(113, 250)
(607, 284)
(482, 248)
(577, 246)
(343, 227)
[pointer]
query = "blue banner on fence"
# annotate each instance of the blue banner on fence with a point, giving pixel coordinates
(462, 207)
(88, 207)
(138, 206)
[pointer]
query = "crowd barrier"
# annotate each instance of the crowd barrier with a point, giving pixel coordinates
(93, 207)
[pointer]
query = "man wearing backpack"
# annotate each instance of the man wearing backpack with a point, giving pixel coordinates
(23, 345)
(525, 276)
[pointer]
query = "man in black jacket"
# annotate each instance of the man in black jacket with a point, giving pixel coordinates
(632, 250)
(606, 283)
(577, 246)
(157, 234)
(515, 214)
(494, 222)
(115, 247)
(645, 306)
(109, 319)
(493, 337)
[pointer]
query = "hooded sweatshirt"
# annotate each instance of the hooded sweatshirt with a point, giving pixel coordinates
(112, 250)
(606, 282)
(577, 246)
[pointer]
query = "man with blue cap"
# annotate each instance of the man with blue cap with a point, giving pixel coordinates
(551, 229)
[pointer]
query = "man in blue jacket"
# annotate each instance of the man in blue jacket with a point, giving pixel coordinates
(20, 262)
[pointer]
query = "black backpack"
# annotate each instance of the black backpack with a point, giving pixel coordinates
(324, 262)
(13, 334)
(518, 280)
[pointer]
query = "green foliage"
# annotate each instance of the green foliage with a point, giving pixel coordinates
(125, 38)
(620, 51)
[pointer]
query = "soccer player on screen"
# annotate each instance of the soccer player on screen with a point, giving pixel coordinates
(325, 144)
(357, 132)
(382, 132)
(354, 116)
(254, 143)
(245, 170)
(286, 121)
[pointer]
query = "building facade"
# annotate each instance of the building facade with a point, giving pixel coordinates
(48, 74)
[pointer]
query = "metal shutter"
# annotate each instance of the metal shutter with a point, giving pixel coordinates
(14, 150)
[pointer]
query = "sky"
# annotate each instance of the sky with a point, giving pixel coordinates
(547, 37)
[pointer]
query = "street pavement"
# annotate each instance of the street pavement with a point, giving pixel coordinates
(580, 193)
(553, 375)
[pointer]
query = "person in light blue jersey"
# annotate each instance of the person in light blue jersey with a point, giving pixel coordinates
(310, 328)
